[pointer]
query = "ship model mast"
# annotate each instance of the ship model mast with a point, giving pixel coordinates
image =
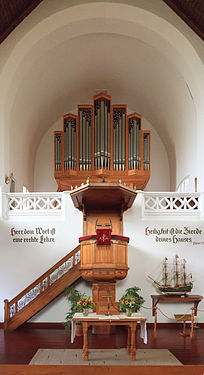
(174, 281)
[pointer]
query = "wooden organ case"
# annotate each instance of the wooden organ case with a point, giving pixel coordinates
(102, 156)
(102, 142)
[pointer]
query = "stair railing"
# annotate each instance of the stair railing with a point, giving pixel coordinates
(40, 285)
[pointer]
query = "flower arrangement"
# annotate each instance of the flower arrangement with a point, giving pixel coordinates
(74, 297)
(84, 304)
(131, 301)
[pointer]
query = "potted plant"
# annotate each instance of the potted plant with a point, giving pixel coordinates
(131, 301)
(79, 303)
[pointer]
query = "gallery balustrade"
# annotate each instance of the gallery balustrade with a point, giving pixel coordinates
(52, 204)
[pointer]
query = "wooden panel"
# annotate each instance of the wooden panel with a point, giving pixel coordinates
(120, 252)
(87, 253)
(101, 297)
(103, 218)
(104, 254)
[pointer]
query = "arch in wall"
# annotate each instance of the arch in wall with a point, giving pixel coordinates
(69, 31)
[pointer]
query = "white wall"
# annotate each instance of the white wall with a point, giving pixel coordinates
(44, 161)
(160, 57)
(23, 263)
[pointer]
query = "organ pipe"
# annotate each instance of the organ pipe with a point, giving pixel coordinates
(102, 137)
(69, 143)
(58, 149)
(84, 139)
(119, 124)
(102, 134)
(146, 153)
(134, 139)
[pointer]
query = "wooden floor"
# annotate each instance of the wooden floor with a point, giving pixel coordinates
(18, 348)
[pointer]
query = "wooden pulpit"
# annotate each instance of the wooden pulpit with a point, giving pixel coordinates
(104, 249)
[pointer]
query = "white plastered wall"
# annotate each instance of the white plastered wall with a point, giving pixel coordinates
(33, 96)
(33, 93)
(145, 253)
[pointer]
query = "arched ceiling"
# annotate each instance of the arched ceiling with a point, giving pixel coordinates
(62, 68)
(12, 12)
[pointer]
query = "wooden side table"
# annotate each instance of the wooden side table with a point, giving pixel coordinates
(195, 299)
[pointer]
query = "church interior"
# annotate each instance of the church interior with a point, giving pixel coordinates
(101, 187)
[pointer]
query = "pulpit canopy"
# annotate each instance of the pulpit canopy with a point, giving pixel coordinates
(103, 196)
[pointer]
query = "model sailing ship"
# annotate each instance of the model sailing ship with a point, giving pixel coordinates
(174, 278)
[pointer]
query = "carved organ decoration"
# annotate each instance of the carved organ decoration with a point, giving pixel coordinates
(102, 143)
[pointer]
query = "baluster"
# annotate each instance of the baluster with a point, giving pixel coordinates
(16, 307)
(20, 203)
(34, 203)
(41, 286)
(6, 312)
(74, 261)
(171, 203)
(185, 203)
(157, 203)
(48, 281)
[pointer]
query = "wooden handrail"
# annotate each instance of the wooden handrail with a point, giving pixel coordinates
(40, 279)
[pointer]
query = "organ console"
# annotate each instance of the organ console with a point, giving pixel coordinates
(102, 143)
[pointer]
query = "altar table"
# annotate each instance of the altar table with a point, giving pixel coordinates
(117, 320)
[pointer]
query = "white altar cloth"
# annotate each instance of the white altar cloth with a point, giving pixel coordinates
(143, 327)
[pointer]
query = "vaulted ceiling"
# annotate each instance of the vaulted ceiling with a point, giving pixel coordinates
(12, 12)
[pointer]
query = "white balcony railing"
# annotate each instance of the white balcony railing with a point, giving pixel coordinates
(52, 204)
(33, 203)
(171, 203)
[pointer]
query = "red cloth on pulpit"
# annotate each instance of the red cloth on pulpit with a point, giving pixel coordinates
(103, 236)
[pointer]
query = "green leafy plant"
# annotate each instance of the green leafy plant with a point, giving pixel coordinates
(79, 301)
(131, 300)
(73, 296)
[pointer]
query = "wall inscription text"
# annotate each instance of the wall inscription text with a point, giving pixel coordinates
(36, 235)
(176, 235)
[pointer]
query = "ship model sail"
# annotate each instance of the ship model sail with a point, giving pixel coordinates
(174, 279)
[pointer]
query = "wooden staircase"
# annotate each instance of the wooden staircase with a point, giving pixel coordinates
(42, 291)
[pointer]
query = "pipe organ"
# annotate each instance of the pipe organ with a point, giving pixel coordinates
(102, 143)
(102, 133)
